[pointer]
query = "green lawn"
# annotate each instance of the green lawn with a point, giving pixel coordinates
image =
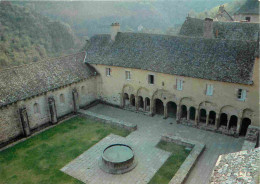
(172, 164)
(38, 159)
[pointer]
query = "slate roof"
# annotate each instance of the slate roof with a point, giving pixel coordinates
(250, 7)
(28, 80)
(226, 30)
(213, 59)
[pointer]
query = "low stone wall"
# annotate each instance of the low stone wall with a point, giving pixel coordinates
(109, 120)
(252, 134)
(190, 161)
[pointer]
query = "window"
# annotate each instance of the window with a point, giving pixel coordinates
(108, 71)
(209, 91)
(248, 19)
(150, 79)
(127, 75)
(36, 108)
(62, 99)
(241, 95)
(179, 84)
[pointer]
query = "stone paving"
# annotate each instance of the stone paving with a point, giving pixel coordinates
(148, 133)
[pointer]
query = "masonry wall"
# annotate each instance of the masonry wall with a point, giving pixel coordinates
(224, 98)
(10, 126)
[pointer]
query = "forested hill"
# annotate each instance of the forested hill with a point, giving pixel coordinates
(26, 36)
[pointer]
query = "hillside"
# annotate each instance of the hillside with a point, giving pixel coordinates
(94, 17)
(26, 36)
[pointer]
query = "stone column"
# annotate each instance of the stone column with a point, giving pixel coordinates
(25, 121)
(145, 105)
(239, 123)
(53, 111)
(228, 120)
(217, 121)
(136, 103)
(196, 116)
(178, 112)
(151, 107)
(165, 112)
(207, 118)
(188, 114)
(75, 100)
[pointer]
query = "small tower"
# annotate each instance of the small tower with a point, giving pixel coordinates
(115, 28)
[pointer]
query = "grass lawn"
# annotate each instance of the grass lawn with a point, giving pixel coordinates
(172, 164)
(38, 159)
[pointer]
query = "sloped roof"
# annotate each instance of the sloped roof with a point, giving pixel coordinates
(226, 30)
(250, 7)
(213, 59)
(25, 81)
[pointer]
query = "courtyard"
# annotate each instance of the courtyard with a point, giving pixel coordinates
(41, 158)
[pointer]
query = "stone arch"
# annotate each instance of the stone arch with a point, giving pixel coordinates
(126, 99)
(212, 117)
(129, 89)
(192, 111)
(143, 92)
(184, 111)
(187, 101)
(158, 106)
(247, 113)
(244, 126)
(164, 95)
(233, 122)
(229, 110)
(208, 106)
(132, 100)
(172, 109)
(140, 102)
(202, 115)
(147, 104)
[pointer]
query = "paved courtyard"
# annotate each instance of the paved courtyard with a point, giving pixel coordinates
(143, 141)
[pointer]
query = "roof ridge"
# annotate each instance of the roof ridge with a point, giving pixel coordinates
(41, 61)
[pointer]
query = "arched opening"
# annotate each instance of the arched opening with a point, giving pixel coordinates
(132, 99)
(212, 117)
(147, 102)
(126, 99)
(62, 99)
(141, 102)
(203, 116)
(172, 109)
(184, 111)
(223, 119)
(192, 113)
(36, 108)
(159, 109)
(245, 123)
(233, 122)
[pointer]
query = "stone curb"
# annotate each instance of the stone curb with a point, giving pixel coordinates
(109, 120)
(190, 161)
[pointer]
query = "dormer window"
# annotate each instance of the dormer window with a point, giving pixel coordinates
(150, 79)
(209, 90)
(127, 75)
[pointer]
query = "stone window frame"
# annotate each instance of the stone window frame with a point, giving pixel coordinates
(179, 84)
(241, 94)
(108, 72)
(211, 91)
(128, 77)
(148, 79)
(36, 108)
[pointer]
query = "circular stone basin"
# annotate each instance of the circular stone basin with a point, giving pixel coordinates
(117, 159)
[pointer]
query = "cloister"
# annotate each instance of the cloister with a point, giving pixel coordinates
(208, 114)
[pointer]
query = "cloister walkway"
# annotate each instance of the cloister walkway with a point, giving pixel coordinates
(216, 144)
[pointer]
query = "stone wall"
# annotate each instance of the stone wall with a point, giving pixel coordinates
(10, 125)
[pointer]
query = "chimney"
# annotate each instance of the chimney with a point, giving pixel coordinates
(221, 9)
(115, 28)
(208, 28)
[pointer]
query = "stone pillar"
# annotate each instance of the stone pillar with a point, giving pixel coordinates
(239, 123)
(196, 116)
(53, 111)
(228, 120)
(188, 114)
(217, 121)
(178, 112)
(25, 121)
(207, 118)
(165, 112)
(145, 105)
(151, 107)
(136, 103)
(75, 100)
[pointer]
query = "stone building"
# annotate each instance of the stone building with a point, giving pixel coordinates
(201, 81)
(249, 12)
